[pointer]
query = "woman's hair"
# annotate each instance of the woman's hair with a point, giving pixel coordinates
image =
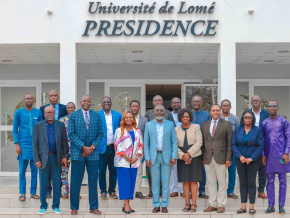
(253, 120)
(181, 113)
(123, 124)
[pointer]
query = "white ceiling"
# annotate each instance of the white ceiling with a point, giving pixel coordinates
(255, 53)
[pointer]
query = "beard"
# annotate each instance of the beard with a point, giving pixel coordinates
(159, 117)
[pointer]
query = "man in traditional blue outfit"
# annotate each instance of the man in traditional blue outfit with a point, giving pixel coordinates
(276, 131)
(24, 120)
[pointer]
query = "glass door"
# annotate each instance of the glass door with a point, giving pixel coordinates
(12, 96)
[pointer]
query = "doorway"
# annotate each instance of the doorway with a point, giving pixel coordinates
(166, 91)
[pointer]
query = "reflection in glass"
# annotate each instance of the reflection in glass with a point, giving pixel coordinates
(96, 90)
(9, 161)
(207, 93)
(12, 100)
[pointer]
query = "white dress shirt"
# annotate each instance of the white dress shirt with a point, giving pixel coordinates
(257, 116)
(110, 132)
(212, 123)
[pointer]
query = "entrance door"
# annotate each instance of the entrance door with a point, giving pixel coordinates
(12, 99)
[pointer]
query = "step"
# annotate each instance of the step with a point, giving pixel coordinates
(12, 201)
(140, 213)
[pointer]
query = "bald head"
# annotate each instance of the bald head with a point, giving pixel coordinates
(53, 97)
(256, 103)
(28, 101)
(196, 103)
(49, 113)
(157, 99)
(176, 104)
(196, 98)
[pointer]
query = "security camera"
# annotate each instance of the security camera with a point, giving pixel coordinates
(49, 12)
(250, 11)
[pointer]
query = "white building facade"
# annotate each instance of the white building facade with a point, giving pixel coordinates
(222, 49)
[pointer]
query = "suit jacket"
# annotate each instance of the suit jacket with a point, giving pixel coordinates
(219, 146)
(80, 136)
(40, 142)
(169, 146)
(142, 124)
(263, 115)
(253, 149)
(61, 110)
(116, 119)
(150, 115)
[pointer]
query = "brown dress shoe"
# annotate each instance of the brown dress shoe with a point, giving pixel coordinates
(156, 210)
(233, 196)
(113, 195)
(65, 196)
(95, 211)
(174, 194)
(262, 195)
(221, 209)
(73, 211)
(182, 194)
(210, 209)
(164, 210)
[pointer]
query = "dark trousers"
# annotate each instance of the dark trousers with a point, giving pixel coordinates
(262, 177)
(149, 178)
(107, 159)
(201, 188)
(232, 177)
(247, 176)
(49, 187)
(77, 175)
(55, 171)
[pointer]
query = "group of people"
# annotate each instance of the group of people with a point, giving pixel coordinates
(183, 147)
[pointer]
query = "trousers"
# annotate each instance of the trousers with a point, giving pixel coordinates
(174, 180)
(271, 188)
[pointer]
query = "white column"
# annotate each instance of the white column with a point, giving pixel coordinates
(227, 73)
(68, 72)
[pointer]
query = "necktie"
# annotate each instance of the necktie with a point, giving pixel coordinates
(87, 120)
(213, 129)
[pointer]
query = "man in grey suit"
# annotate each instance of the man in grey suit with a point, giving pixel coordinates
(217, 157)
(50, 152)
(141, 122)
(157, 99)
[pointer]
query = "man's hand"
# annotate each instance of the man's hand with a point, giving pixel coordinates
(64, 162)
(249, 160)
(228, 164)
(172, 161)
(38, 164)
(243, 159)
(87, 151)
(286, 158)
(18, 149)
(188, 161)
(148, 163)
(264, 161)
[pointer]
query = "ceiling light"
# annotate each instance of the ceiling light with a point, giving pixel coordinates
(6, 61)
(283, 51)
(269, 61)
(137, 61)
(137, 51)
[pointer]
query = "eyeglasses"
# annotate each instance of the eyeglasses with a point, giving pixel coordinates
(159, 110)
(106, 102)
(274, 106)
(178, 102)
(256, 101)
(248, 117)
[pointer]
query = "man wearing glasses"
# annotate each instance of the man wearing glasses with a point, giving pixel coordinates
(276, 131)
(176, 106)
(260, 116)
(160, 147)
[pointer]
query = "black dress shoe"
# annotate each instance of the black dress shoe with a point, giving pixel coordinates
(270, 209)
(203, 195)
(132, 211)
(150, 195)
(139, 195)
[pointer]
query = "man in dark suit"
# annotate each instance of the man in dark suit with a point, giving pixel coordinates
(50, 151)
(260, 116)
(141, 122)
(157, 99)
(217, 157)
(60, 111)
(85, 133)
(111, 121)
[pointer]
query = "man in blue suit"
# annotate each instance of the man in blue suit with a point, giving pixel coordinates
(86, 133)
(260, 116)
(160, 146)
(60, 111)
(111, 121)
